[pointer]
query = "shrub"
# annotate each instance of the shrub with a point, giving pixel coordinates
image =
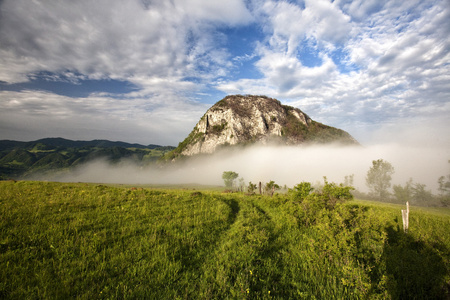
(218, 128)
(328, 197)
(301, 191)
(313, 204)
(334, 193)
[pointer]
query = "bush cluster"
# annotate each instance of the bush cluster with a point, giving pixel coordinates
(313, 201)
(326, 198)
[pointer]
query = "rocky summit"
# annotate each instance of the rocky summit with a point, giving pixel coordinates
(237, 120)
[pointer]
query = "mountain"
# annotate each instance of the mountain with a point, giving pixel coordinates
(60, 142)
(21, 159)
(237, 120)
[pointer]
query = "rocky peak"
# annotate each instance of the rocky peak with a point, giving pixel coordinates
(241, 119)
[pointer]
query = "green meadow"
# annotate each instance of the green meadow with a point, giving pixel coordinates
(90, 241)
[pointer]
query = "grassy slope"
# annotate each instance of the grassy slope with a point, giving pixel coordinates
(92, 241)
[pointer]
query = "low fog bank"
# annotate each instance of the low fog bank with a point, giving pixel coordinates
(285, 165)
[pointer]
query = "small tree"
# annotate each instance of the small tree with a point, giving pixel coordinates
(251, 188)
(270, 187)
(241, 184)
(444, 185)
(379, 178)
(229, 177)
(348, 180)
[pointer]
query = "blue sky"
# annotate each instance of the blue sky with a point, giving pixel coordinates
(145, 71)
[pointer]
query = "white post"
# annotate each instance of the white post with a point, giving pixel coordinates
(405, 217)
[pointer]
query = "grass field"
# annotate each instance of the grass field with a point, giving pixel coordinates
(88, 241)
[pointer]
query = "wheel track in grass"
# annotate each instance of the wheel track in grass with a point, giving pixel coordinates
(235, 208)
(273, 257)
(231, 219)
(247, 257)
(192, 259)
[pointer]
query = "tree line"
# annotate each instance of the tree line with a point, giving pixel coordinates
(378, 180)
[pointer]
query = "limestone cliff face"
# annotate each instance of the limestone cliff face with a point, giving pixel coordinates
(248, 119)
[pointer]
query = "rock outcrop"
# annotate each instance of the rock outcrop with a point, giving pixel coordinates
(248, 119)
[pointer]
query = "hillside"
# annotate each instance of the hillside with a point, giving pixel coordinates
(60, 142)
(90, 241)
(19, 159)
(237, 120)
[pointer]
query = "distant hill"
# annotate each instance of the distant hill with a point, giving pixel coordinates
(237, 120)
(60, 142)
(20, 159)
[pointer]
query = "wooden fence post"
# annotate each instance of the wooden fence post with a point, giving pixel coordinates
(405, 217)
(260, 187)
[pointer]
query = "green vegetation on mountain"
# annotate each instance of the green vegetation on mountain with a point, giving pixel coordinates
(192, 138)
(21, 159)
(88, 241)
(52, 143)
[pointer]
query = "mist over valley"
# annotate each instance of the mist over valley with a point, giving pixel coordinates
(286, 165)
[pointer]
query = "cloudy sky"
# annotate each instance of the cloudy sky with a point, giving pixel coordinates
(146, 70)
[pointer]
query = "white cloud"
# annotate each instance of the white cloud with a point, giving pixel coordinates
(330, 25)
(114, 39)
(320, 20)
(164, 119)
(102, 39)
(361, 9)
(400, 51)
(288, 25)
(231, 12)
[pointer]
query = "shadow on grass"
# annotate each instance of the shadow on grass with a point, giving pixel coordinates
(234, 206)
(191, 256)
(415, 269)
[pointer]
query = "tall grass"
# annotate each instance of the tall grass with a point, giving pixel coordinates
(88, 241)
